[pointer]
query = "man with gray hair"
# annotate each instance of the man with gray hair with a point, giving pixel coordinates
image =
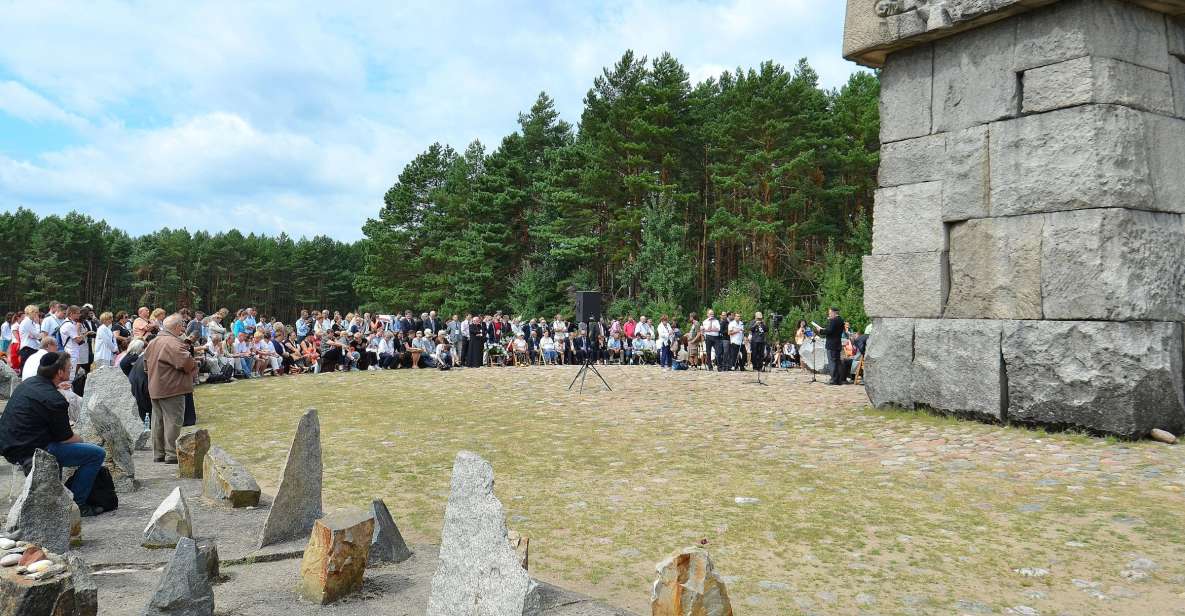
(169, 361)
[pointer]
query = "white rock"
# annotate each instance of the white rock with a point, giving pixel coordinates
(169, 522)
(7, 544)
(40, 565)
(9, 560)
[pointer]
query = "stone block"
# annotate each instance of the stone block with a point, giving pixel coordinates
(109, 384)
(386, 544)
(1176, 35)
(9, 379)
(191, 453)
(995, 268)
(207, 552)
(888, 363)
(688, 585)
(41, 513)
(70, 592)
(298, 499)
(1117, 378)
(908, 219)
(905, 285)
(1177, 79)
(1093, 156)
(1093, 79)
(957, 366)
(906, 89)
(100, 424)
(965, 187)
(184, 588)
(974, 78)
(86, 592)
(1116, 265)
(169, 523)
(335, 559)
(479, 573)
(911, 161)
(224, 479)
(1107, 28)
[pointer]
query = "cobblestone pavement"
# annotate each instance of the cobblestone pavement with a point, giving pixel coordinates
(809, 502)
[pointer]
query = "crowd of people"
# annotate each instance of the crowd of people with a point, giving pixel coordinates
(165, 355)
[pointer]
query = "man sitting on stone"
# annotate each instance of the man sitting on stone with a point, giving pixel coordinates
(37, 418)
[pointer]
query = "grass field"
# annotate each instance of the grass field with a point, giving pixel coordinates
(857, 510)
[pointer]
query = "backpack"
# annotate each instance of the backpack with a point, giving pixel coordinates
(102, 492)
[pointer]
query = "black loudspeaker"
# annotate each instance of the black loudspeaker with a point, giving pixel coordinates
(588, 306)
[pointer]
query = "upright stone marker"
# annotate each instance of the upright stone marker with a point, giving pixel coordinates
(9, 379)
(1029, 231)
(298, 499)
(386, 544)
(479, 573)
(184, 588)
(688, 585)
(109, 384)
(170, 522)
(335, 559)
(41, 514)
(191, 453)
(100, 425)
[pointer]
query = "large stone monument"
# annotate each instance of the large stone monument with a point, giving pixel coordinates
(1028, 240)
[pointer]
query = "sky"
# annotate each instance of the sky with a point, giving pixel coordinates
(283, 117)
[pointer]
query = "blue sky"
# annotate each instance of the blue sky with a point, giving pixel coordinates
(282, 117)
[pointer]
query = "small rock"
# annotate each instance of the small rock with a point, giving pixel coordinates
(1032, 571)
(386, 544)
(1023, 610)
(31, 555)
(864, 599)
(1135, 575)
(224, 479)
(1142, 564)
(746, 500)
(184, 587)
(768, 585)
(8, 560)
(1163, 436)
(40, 565)
(629, 553)
(7, 544)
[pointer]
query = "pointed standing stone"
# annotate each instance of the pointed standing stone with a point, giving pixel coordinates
(100, 425)
(335, 559)
(191, 453)
(688, 585)
(386, 544)
(298, 499)
(169, 522)
(184, 589)
(109, 384)
(41, 514)
(9, 379)
(479, 573)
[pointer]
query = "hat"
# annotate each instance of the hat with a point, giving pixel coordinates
(49, 359)
(88, 306)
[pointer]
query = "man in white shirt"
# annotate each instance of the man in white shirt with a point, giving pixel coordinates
(51, 323)
(644, 328)
(736, 339)
(713, 343)
(46, 344)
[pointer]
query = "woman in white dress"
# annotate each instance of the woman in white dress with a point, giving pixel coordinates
(105, 346)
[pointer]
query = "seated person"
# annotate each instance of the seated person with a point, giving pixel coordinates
(547, 345)
(681, 360)
(36, 418)
(614, 347)
(522, 355)
(444, 356)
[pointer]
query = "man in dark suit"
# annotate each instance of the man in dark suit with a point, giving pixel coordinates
(433, 323)
(834, 335)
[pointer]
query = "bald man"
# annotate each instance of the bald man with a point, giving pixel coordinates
(171, 366)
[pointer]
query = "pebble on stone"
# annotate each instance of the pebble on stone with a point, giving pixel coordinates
(386, 544)
(688, 585)
(41, 514)
(479, 573)
(184, 589)
(169, 522)
(191, 453)
(224, 479)
(298, 499)
(335, 559)
(1163, 436)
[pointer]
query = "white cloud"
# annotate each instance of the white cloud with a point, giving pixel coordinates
(273, 117)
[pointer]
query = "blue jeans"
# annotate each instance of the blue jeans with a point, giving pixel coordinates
(87, 457)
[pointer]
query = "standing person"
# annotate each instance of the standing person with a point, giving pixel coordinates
(736, 338)
(664, 341)
(757, 341)
(142, 323)
(51, 322)
(74, 340)
(37, 417)
(834, 335)
(713, 344)
(477, 344)
(171, 366)
(6, 332)
(88, 325)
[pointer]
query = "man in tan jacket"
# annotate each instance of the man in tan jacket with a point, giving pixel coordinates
(170, 364)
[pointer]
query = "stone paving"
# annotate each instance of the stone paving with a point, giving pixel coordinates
(808, 501)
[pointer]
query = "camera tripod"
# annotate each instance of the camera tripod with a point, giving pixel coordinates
(583, 374)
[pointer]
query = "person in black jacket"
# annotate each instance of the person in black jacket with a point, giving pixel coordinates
(834, 336)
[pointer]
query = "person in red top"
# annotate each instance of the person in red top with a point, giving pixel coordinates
(629, 327)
